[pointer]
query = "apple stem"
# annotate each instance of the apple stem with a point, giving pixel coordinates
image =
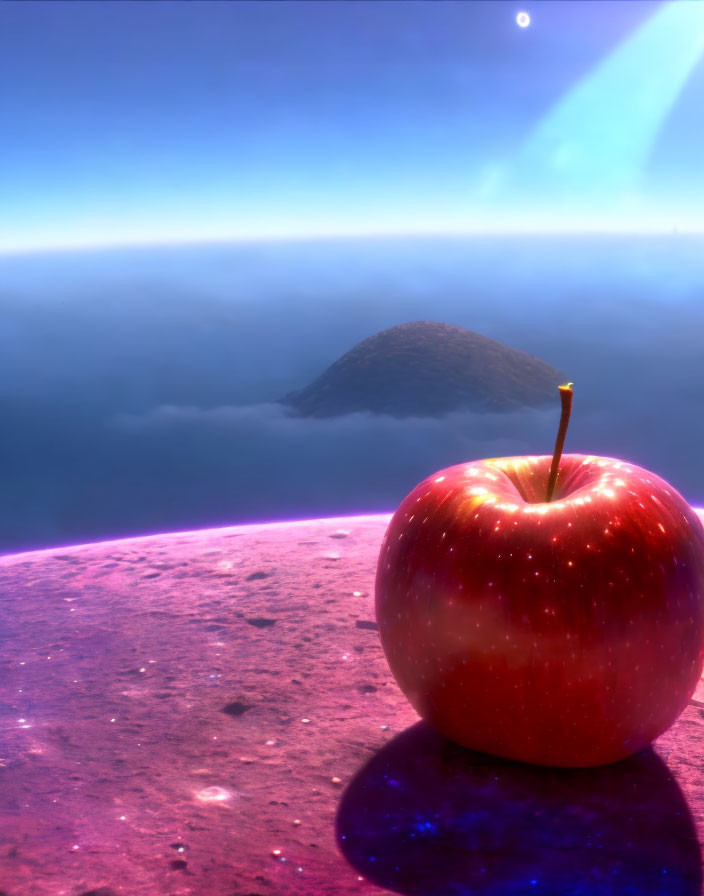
(566, 399)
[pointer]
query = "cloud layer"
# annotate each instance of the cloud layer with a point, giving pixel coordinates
(143, 401)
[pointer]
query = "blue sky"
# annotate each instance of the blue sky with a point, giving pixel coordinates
(142, 122)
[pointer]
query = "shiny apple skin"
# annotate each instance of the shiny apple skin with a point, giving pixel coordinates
(568, 633)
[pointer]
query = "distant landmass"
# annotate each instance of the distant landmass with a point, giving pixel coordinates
(427, 369)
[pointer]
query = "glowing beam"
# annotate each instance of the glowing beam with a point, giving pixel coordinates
(596, 139)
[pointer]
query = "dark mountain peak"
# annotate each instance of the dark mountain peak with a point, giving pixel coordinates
(426, 369)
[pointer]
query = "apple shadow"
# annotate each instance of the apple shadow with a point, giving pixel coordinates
(427, 817)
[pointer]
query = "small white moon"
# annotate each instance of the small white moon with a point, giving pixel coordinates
(523, 20)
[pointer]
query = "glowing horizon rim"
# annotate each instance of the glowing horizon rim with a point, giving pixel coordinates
(553, 228)
(265, 525)
(206, 531)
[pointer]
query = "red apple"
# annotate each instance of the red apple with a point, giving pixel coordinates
(567, 632)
